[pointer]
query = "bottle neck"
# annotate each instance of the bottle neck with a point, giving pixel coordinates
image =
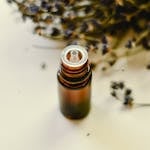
(74, 72)
(74, 76)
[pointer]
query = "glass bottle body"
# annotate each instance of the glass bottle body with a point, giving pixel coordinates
(75, 101)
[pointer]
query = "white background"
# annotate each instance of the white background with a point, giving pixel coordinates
(29, 113)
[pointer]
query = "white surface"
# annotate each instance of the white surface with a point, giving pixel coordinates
(29, 114)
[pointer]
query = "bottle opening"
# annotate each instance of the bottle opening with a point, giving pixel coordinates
(74, 56)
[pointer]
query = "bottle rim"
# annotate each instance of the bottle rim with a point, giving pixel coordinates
(78, 48)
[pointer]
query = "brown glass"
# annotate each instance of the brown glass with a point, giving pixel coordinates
(74, 86)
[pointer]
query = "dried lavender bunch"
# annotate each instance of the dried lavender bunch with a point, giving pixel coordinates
(97, 24)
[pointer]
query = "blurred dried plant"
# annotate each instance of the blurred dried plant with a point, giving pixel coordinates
(100, 25)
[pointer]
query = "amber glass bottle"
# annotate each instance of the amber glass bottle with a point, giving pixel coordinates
(74, 82)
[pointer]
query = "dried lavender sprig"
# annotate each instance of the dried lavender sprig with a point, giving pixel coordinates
(127, 98)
